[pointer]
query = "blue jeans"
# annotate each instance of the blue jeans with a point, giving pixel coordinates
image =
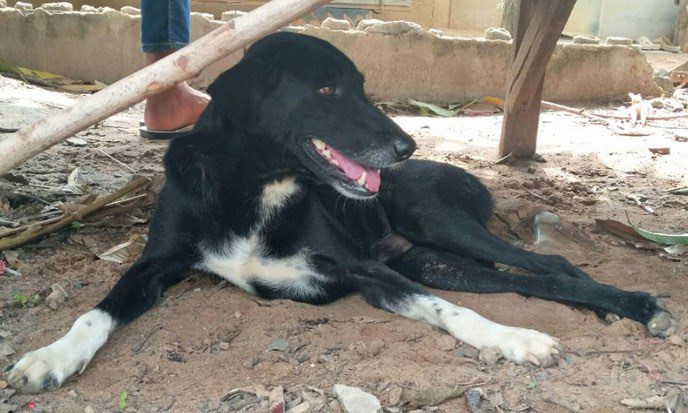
(165, 25)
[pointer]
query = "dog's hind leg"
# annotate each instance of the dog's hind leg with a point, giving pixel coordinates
(447, 271)
(386, 289)
(138, 289)
(440, 205)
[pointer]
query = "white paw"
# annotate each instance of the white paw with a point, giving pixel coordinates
(48, 367)
(42, 370)
(521, 345)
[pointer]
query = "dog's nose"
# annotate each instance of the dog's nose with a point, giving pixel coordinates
(404, 148)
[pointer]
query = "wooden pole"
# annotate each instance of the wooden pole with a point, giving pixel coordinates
(181, 65)
(538, 27)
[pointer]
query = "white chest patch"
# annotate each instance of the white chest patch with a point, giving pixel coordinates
(244, 261)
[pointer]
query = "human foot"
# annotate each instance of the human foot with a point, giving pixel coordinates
(174, 108)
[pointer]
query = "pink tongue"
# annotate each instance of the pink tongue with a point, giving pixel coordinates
(354, 170)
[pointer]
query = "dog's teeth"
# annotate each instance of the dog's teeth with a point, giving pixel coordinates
(334, 162)
(326, 153)
(362, 179)
(320, 145)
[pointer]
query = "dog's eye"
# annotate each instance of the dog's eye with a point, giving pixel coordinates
(327, 90)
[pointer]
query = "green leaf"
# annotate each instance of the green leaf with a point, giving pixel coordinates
(122, 400)
(433, 108)
(664, 239)
(20, 297)
(77, 225)
(532, 385)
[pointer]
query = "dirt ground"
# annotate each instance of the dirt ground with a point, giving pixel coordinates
(206, 338)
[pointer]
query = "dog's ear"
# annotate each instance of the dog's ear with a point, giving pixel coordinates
(239, 91)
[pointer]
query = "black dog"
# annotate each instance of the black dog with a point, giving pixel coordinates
(292, 186)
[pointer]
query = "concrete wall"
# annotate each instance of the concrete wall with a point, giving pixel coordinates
(627, 18)
(635, 18)
(474, 14)
(416, 64)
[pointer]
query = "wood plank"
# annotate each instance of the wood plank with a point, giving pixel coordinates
(536, 32)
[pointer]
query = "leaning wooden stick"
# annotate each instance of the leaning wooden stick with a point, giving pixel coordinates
(181, 65)
(29, 235)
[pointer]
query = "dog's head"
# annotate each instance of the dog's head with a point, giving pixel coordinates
(306, 96)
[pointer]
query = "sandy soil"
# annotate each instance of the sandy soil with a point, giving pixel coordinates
(206, 339)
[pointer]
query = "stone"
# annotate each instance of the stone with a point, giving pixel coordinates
(335, 406)
(57, 297)
(489, 355)
(665, 83)
(23, 7)
(355, 400)
(59, 7)
(231, 15)
(365, 23)
(6, 350)
(620, 41)
(76, 142)
(394, 27)
(88, 409)
(336, 24)
(446, 343)
(580, 39)
(432, 396)
(130, 11)
(395, 395)
(224, 345)
(497, 33)
(304, 407)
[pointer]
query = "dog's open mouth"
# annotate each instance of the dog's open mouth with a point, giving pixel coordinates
(352, 176)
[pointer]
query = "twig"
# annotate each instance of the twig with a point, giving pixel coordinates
(4, 221)
(503, 159)
(125, 200)
(143, 346)
(542, 198)
(23, 227)
(117, 161)
(581, 112)
(30, 235)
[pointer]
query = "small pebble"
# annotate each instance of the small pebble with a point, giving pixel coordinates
(224, 345)
(395, 394)
(497, 33)
(541, 376)
(6, 350)
(278, 345)
(336, 24)
(335, 406)
(446, 343)
(59, 7)
(620, 41)
(57, 297)
(489, 355)
(76, 142)
(580, 39)
(355, 400)
(250, 363)
(88, 409)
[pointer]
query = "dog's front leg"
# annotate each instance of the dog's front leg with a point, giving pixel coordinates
(138, 289)
(388, 290)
